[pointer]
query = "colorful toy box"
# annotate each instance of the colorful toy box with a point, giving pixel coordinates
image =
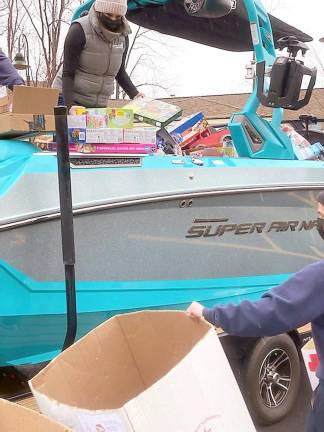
(154, 112)
(76, 129)
(108, 148)
(104, 136)
(140, 135)
(185, 132)
(120, 118)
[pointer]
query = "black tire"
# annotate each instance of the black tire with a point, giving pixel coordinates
(269, 365)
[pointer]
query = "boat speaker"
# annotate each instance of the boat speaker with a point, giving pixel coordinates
(208, 8)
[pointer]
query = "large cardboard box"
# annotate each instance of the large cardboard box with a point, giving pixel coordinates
(144, 372)
(27, 110)
(15, 418)
(311, 362)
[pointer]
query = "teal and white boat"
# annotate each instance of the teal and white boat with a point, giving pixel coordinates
(158, 232)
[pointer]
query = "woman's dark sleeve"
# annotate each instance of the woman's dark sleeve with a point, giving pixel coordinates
(123, 78)
(73, 46)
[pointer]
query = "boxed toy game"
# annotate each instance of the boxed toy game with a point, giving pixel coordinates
(153, 111)
(76, 129)
(104, 136)
(120, 118)
(145, 135)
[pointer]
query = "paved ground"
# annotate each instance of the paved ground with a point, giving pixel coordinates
(295, 421)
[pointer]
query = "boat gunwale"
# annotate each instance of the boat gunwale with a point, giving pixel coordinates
(85, 209)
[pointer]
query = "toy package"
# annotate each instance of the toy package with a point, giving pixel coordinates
(120, 118)
(154, 112)
(301, 147)
(76, 129)
(143, 135)
(104, 136)
(184, 132)
(106, 148)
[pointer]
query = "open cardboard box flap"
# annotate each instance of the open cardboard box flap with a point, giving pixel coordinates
(27, 110)
(34, 100)
(15, 418)
(141, 372)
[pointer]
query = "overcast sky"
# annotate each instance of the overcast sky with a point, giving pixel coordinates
(193, 69)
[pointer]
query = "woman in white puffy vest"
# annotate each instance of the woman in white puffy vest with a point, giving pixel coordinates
(94, 56)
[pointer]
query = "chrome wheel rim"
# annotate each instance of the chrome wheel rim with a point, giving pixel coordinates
(275, 378)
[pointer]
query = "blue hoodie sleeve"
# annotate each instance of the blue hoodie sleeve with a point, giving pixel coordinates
(8, 74)
(290, 305)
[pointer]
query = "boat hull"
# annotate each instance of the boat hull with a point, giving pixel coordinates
(161, 254)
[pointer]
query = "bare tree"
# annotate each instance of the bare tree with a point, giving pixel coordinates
(48, 18)
(144, 53)
(14, 19)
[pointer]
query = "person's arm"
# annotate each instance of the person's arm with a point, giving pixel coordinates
(73, 46)
(123, 78)
(292, 304)
(8, 74)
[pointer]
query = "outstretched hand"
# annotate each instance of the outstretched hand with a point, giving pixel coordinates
(139, 95)
(195, 310)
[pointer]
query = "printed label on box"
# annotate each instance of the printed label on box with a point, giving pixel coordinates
(104, 136)
(97, 121)
(76, 136)
(120, 118)
(76, 122)
(140, 136)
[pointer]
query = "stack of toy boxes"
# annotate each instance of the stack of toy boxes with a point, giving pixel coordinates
(109, 130)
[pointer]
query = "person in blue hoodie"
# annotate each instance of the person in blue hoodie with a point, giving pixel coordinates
(294, 303)
(8, 74)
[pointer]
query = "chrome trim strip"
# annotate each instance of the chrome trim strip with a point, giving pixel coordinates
(100, 207)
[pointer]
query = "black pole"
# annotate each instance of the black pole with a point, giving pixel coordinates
(67, 232)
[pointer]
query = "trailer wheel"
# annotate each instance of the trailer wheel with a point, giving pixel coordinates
(272, 377)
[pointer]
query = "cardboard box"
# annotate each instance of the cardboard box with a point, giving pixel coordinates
(185, 131)
(15, 418)
(144, 372)
(189, 129)
(27, 110)
(311, 362)
(154, 112)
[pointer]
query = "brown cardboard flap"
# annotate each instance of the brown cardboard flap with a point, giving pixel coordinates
(15, 418)
(120, 359)
(34, 100)
(18, 125)
(5, 100)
